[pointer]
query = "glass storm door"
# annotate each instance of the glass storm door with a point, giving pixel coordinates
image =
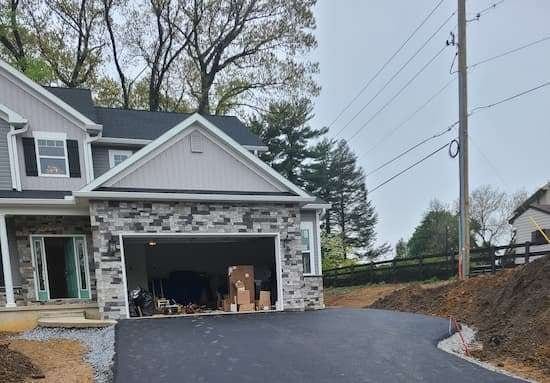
(70, 269)
(82, 267)
(40, 268)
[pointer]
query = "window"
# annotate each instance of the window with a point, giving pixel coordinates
(51, 154)
(117, 156)
(537, 237)
(306, 231)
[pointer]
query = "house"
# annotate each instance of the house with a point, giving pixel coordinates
(535, 209)
(97, 201)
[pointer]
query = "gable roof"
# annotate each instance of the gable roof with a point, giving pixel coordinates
(47, 97)
(532, 202)
(174, 133)
(143, 124)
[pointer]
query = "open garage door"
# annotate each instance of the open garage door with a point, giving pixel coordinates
(192, 270)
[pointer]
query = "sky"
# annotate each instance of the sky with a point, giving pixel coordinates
(509, 143)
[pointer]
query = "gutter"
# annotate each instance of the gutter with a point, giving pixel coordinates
(88, 158)
(12, 153)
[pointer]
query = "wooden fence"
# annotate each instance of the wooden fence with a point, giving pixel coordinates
(440, 266)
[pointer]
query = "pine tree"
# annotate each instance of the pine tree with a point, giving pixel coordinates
(285, 130)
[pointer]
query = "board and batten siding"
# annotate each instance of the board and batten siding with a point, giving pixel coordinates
(5, 172)
(524, 227)
(45, 118)
(175, 166)
(100, 157)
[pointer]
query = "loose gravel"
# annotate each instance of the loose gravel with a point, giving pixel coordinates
(100, 343)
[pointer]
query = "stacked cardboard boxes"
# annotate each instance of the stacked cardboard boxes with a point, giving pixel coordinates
(242, 295)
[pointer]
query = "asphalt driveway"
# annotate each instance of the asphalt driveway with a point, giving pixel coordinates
(333, 345)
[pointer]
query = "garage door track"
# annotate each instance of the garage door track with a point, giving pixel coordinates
(333, 345)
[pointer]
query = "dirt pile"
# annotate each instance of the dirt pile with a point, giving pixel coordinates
(511, 310)
(16, 367)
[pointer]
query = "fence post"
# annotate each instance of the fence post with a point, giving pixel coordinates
(493, 260)
(452, 259)
(393, 269)
(421, 264)
(527, 251)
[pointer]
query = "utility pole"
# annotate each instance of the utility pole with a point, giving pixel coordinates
(464, 232)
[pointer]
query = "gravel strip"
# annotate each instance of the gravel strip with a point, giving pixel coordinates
(100, 343)
(453, 345)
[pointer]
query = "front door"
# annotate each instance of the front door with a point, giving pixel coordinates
(60, 267)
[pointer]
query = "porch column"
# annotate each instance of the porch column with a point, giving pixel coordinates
(6, 263)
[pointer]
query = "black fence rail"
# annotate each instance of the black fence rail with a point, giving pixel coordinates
(440, 266)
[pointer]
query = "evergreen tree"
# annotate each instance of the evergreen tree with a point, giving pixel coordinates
(285, 130)
(401, 250)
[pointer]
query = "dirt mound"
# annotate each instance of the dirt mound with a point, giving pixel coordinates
(16, 367)
(511, 310)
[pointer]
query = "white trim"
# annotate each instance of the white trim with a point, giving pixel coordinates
(88, 157)
(44, 267)
(309, 227)
(45, 210)
(114, 152)
(48, 98)
(167, 136)
(276, 239)
(111, 195)
(6, 262)
(14, 157)
(319, 255)
(316, 206)
(87, 267)
(37, 201)
(256, 148)
(124, 141)
(11, 117)
(53, 136)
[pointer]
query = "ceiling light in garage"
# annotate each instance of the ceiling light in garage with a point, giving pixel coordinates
(152, 243)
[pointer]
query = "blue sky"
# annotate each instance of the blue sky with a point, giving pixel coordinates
(509, 143)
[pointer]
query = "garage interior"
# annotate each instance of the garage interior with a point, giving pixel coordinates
(190, 275)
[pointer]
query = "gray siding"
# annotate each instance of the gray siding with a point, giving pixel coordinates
(43, 116)
(5, 173)
(100, 156)
(217, 168)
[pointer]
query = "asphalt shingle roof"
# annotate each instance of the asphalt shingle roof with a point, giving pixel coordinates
(143, 124)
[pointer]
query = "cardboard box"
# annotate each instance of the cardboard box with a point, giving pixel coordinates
(247, 307)
(226, 304)
(243, 297)
(265, 300)
(245, 274)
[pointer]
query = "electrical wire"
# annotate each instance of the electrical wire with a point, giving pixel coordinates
(387, 83)
(506, 53)
(388, 103)
(386, 63)
(422, 142)
(510, 98)
(409, 167)
(410, 117)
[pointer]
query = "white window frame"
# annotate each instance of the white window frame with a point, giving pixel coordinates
(309, 227)
(51, 136)
(114, 152)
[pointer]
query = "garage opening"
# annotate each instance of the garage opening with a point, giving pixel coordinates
(201, 274)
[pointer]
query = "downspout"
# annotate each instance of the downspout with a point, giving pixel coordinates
(12, 153)
(88, 155)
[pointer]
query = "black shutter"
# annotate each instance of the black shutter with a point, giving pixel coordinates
(74, 158)
(29, 152)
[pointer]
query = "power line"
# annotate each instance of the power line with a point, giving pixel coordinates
(398, 92)
(422, 142)
(410, 167)
(387, 62)
(410, 117)
(387, 83)
(510, 98)
(489, 8)
(506, 53)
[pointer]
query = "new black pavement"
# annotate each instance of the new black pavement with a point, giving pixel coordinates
(333, 345)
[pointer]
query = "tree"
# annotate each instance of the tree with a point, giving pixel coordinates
(334, 252)
(401, 250)
(242, 51)
(437, 233)
(69, 37)
(17, 43)
(490, 210)
(285, 130)
(352, 214)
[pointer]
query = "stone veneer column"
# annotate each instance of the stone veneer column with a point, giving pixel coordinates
(110, 218)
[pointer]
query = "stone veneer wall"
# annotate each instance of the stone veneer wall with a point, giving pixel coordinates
(110, 218)
(313, 292)
(43, 225)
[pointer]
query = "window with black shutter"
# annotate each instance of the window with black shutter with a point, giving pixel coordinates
(29, 153)
(74, 158)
